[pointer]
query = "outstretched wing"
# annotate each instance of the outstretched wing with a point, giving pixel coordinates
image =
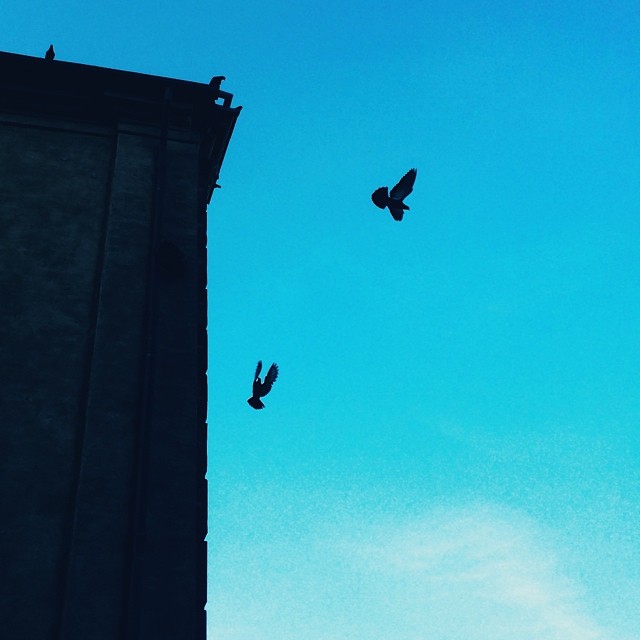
(269, 379)
(258, 369)
(380, 196)
(405, 186)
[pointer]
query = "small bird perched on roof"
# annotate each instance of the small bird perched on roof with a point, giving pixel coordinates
(260, 389)
(51, 54)
(216, 81)
(382, 198)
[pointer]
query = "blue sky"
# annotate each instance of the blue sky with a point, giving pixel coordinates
(451, 450)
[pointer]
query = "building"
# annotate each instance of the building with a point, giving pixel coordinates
(105, 177)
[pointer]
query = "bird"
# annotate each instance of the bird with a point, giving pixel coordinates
(260, 389)
(51, 54)
(394, 200)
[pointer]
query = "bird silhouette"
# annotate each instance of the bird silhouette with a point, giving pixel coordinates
(394, 200)
(51, 54)
(260, 389)
(216, 81)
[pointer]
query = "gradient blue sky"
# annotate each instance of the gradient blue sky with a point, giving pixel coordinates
(452, 448)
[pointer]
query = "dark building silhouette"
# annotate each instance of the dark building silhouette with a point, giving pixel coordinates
(105, 177)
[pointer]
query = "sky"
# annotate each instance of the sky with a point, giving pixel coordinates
(451, 450)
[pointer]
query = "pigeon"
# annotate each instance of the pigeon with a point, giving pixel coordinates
(382, 198)
(260, 388)
(51, 54)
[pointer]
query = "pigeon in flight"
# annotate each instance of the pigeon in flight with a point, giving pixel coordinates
(260, 388)
(382, 198)
(51, 54)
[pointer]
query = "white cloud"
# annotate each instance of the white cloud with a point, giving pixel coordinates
(473, 573)
(490, 570)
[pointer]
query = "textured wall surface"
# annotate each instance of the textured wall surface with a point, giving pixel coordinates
(99, 361)
(54, 186)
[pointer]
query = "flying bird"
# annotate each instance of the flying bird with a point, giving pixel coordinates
(394, 200)
(51, 54)
(260, 389)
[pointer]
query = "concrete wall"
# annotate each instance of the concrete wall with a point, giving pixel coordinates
(102, 357)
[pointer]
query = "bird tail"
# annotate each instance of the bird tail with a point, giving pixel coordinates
(256, 403)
